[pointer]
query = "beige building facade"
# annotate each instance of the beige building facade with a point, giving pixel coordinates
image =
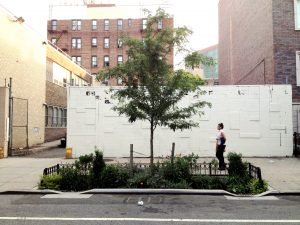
(22, 58)
(40, 73)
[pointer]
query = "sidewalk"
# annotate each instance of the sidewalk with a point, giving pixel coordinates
(23, 173)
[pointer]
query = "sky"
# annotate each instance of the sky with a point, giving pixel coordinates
(201, 16)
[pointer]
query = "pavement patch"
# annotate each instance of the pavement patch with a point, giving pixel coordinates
(262, 198)
(67, 196)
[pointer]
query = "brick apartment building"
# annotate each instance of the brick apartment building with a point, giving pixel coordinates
(259, 43)
(94, 40)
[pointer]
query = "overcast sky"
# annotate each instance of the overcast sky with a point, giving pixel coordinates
(199, 15)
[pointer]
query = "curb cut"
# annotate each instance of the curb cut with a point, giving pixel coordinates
(159, 191)
(31, 192)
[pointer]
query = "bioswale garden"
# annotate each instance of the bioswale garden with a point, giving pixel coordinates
(151, 93)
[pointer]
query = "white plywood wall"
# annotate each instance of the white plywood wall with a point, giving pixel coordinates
(257, 119)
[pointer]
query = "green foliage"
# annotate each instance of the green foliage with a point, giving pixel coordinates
(238, 185)
(257, 186)
(98, 166)
(180, 169)
(182, 184)
(50, 182)
(139, 180)
(114, 176)
(196, 60)
(153, 88)
(73, 180)
(207, 182)
(84, 163)
(237, 167)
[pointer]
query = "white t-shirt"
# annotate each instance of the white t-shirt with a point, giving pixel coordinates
(220, 134)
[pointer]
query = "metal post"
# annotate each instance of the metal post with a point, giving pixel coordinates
(27, 132)
(295, 143)
(10, 117)
(131, 159)
(172, 153)
(210, 169)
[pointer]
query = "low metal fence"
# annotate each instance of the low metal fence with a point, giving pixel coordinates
(208, 169)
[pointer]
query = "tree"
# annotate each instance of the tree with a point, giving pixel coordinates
(153, 89)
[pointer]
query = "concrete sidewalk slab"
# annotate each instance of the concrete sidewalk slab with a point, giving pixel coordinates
(24, 173)
(283, 174)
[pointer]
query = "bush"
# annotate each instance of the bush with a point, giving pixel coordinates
(236, 166)
(139, 180)
(50, 182)
(73, 180)
(257, 187)
(179, 170)
(183, 184)
(238, 185)
(114, 176)
(98, 166)
(207, 182)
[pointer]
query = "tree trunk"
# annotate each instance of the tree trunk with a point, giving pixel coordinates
(151, 144)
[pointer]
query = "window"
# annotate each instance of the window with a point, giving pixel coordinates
(120, 24)
(94, 24)
(298, 68)
(77, 60)
(53, 40)
(76, 24)
(53, 24)
(94, 61)
(106, 42)
(55, 117)
(159, 25)
(94, 42)
(106, 61)
(50, 116)
(129, 22)
(297, 14)
(106, 24)
(64, 118)
(76, 42)
(120, 43)
(144, 24)
(120, 59)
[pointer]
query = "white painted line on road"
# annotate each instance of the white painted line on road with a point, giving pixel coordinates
(67, 196)
(150, 220)
(264, 198)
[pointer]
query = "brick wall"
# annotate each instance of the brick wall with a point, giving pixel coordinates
(245, 42)
(286, 43)
(56, 95)
(86, 33)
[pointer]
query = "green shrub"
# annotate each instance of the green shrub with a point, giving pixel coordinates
(139, 180)
(238, 185)
(114, 176)
(257, 187)
(207, 182)
(180, 169)
(73, 180)
(236, 166)
(84, 163)
(201, 182)
(98, 166)
(183, 184)
(50, 182)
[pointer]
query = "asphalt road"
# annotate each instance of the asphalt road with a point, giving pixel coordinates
(157, 209)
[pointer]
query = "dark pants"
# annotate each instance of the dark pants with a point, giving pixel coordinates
(220, 156)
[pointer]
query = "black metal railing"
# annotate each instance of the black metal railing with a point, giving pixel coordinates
(55, 169)
(208, 169)
(254, 172)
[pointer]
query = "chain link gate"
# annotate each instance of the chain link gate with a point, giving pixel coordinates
(19, 124)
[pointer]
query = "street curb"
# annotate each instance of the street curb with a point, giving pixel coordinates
(159, 191)
(31, 192)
